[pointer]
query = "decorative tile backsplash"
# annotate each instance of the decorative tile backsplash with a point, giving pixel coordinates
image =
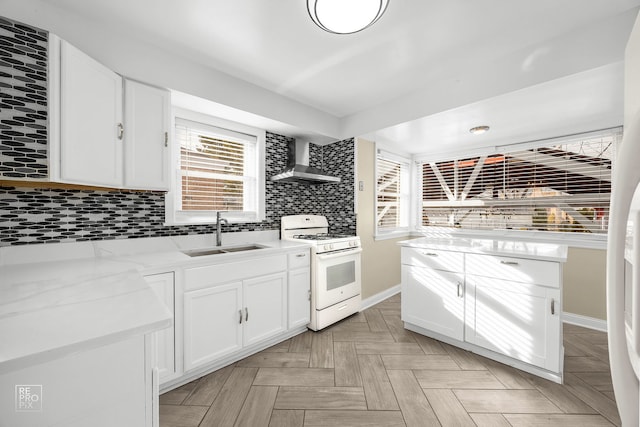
(29, 216)
(23, 101)
(339, 199)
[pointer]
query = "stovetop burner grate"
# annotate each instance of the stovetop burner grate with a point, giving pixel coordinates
(321, 236)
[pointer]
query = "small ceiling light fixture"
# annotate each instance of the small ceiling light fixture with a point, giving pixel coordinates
(479, 130)
(345, 16)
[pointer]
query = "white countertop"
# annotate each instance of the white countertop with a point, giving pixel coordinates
(51, 309)
(77, 296)
(530, 250)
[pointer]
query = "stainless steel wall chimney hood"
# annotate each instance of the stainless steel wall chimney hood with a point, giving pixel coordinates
(298, 169)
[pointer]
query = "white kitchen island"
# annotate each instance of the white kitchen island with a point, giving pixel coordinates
(497, 298)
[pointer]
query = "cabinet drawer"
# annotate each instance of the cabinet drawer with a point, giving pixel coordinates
(201, 277)
(545, 273)
(299, 259)
(337, 312)
(436, 259)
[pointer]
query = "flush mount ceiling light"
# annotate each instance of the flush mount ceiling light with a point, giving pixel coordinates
(345, 16)
(478, 130)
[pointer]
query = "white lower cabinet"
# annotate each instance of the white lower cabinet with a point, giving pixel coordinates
(433, 299)
(212, 323)
(233, 306)
(105, 386)
(299, 289)
(510, 306)
(265, 307)
(233, 309)
(163, 285)
(299, 297)
(518, 320)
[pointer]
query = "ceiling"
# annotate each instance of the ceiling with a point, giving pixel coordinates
(415, 81)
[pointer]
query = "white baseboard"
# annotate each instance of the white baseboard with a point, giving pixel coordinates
(585, 321)
(379, 297)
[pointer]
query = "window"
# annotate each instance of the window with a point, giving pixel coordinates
(219, 167)
(392, 193)
(562, 185)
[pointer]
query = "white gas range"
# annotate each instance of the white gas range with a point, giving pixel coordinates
(335, 268)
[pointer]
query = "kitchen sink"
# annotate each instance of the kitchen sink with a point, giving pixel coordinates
(216, 251)
(243, 248)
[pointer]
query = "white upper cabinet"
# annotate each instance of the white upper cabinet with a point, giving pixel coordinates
(146, 136)
(104, 130)
(89, 148)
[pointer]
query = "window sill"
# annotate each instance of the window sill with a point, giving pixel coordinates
(392, 235)
(178, 220)
(594, 242)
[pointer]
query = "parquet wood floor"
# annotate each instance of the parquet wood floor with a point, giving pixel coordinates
(369, 371)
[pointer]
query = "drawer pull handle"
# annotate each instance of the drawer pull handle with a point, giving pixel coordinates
(120, 131)
(246, 314)
(240, 311)
(342, 308)
(301, 255)
(553, 307)
(459, 290)
(429, 254)
(509, 263)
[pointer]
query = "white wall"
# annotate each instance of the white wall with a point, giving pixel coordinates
(632, 74)
(584, 283)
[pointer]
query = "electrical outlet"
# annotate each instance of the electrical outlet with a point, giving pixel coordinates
(361, 185)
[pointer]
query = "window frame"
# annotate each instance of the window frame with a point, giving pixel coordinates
(584, 240)
(176, 216)
(405, 163)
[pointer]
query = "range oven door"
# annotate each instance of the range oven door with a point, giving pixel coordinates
(337, 277)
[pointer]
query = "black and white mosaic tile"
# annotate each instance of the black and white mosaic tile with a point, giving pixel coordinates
(23, 101)
(31, 216)
(339, 199)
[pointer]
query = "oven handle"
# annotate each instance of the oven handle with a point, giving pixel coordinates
(338, 254)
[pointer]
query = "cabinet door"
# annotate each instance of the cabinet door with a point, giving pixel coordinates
(146, 137)
(90, 120)
(515, 319)
(163, 286)
(433, 300)
(212, 327)
(299, 297)
(265, 307)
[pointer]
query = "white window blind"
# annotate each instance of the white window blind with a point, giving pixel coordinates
(392, 193)
(562, 185)
(217, 168)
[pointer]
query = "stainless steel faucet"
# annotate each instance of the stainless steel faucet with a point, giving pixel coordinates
(219, 221)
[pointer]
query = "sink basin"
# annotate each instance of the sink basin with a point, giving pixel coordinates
(203, 252)
(242, 248)
(217, 251)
